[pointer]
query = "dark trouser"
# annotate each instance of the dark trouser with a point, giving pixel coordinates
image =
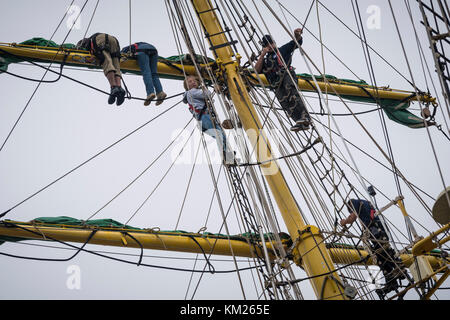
(384, 253)
(289, 98)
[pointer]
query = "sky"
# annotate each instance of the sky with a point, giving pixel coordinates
(66, 123)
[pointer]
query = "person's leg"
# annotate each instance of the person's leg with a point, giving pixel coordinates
(118, 81)
(385, 256)
(108, 68)
(160, 94)
(111, 76)
(154, 71)
(144, 65)
(121, 92)
(215, 131)
(207, 125)
(115, 57)
(111, 68)
(109, 71)
(292, 103)
(118, 75)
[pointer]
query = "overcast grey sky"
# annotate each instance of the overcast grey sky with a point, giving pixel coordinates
(67, 123)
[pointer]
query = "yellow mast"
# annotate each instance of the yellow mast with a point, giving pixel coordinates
(179, 242)
(309, 247)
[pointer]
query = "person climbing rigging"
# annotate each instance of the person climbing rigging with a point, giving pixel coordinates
(197, 99)
(147, 59)
(106, 49)
(385, 255)
(270, 63)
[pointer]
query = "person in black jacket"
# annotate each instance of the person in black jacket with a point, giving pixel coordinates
(377, 234)
(270, 62)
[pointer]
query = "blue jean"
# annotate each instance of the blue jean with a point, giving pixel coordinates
(211, 130)
(149, 68)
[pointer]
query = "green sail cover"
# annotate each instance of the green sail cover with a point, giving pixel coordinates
(41, 42)
(186, 59)
(102, 223)
(395, 110)
(63, 220)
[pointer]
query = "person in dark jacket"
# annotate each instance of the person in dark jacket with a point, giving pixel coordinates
(106, 49)
(384, 253)
(270, 63)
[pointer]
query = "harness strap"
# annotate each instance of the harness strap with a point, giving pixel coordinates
(198, 111)
(97, 50)
(134, 48)
(372, 213)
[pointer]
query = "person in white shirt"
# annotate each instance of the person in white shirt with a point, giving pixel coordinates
(197, 100)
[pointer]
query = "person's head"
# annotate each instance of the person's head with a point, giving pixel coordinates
(83, 44)
(191, 82)
(268, 42)
(350, 205)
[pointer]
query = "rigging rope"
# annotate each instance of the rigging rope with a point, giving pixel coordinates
(322, 173)
(165, 174)
(42, 78)
(140, 174)
(433, 148)
(305, 61)
(86, 161)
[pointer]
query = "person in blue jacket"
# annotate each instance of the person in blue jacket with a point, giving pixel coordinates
(270, 63)
(147, 59)
(384, 253)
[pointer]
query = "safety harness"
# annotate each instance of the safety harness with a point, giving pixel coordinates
(198, 113)
(97, 50)
(134, 49)
(275, 70)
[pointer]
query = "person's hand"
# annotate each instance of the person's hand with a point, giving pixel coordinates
(266, 50)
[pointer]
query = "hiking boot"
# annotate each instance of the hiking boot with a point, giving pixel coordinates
(120, 96)
(113, 95)
(388, 287)
(160, 96)
(149, 99)
(300, 125)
